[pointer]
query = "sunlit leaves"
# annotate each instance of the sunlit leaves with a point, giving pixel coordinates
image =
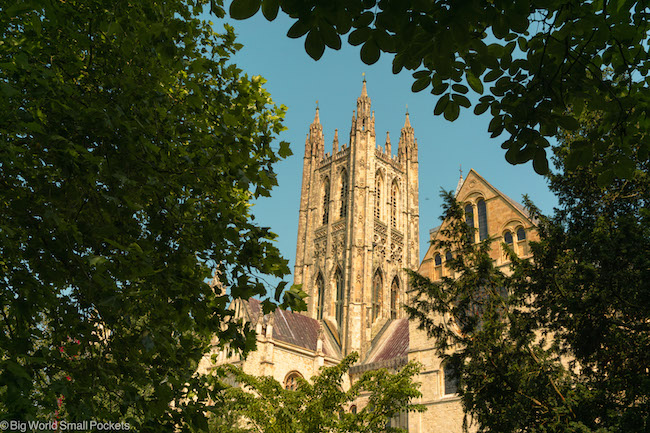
(131, 148)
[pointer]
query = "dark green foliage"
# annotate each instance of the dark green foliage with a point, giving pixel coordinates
(538, 57)
(264, 406)
(563, 343)
(130, 149)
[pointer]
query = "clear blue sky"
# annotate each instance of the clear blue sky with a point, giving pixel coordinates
(297, 81)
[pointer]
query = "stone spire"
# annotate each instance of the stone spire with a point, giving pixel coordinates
(407, 144)
(316, 138)
(460, 182)
(365, 117)
(388, 149)
(335, 143)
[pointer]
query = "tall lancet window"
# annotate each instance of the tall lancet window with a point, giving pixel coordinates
(378, 185)
(377, 282)
(326, 201)
(344, 194)
(394, 293)
(320, 302)
(393, 204)
(339, 298)
(482, 220)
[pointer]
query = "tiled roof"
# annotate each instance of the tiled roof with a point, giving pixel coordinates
(394, 344)
(293, 328)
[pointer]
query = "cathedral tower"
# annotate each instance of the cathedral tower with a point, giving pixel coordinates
(358, 228)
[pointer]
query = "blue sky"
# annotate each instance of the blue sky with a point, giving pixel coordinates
(297, 81)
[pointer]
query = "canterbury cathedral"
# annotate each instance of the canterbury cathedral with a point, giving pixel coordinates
(358, 231)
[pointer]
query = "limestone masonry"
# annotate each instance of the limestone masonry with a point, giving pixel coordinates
(357, 232)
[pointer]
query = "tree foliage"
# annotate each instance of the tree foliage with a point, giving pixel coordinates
(262, 405)
(526, 61)
(561, 343)
(131, 147)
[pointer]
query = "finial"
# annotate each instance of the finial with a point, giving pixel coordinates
(461, 170)
(317, 104)
(407, 108)
(363, 74)
(407, 121)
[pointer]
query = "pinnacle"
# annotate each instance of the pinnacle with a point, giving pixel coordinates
(364, 90)
(407, 122)
(317, 117)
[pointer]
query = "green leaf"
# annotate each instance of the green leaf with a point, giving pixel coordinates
(370, 52)
(242, 9)
(481, 108)
(441, 104)
(459, 88)
(420, 84)
(314, 44)
(540, 162)
(452, 111)
(298, 29)
(461, 100)
(270, 9)
(330, 37)
(474, 82)
(359, 36)
(568, 122)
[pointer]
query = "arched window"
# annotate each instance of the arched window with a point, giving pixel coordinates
(291, 381)
(521, 234)
(326, 201)
(448, 258)
(378, 185)
(377, 282)
(394, 297)
(482, 220)
(521, 241)
(344, 194)
(353, 408)
(507, 239)
(320, 302)
(437, 271)
(338, 278)
(450, 379)
(469, 220)
(393, 204)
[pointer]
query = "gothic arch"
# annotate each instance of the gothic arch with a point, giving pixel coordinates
(481, 210)
(394, 202)
(343, 197)
(291, 380)
(326, 200)
(339, 284)
(394, 297)
(377, 293)
(379, 186)
(320, 295)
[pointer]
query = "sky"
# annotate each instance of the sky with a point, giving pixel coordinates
(297, 81)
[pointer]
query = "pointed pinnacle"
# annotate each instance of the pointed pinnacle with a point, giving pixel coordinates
(364, 91)
(317, 116)
(407, 122)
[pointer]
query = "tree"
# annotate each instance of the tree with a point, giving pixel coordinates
(261, 404)
(529, 60)
(131, 147)
(561, 344)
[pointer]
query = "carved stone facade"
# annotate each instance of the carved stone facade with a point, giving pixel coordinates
(358, 228)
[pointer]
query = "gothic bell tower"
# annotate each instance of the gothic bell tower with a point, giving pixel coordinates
(358, 228)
